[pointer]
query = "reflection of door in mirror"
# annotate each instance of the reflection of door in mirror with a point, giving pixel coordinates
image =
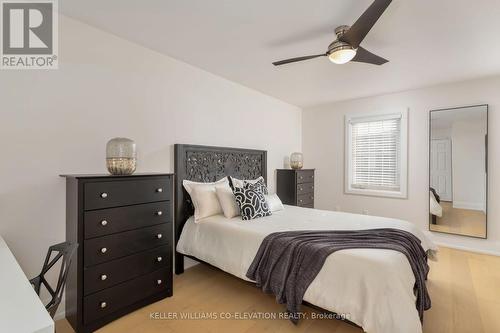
(441, 167)
(457, 171)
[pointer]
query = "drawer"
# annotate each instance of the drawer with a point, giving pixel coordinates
(106, 248)
(305, 176)
(126, 192)
(105, 302)
(106, 275)
(305, 188)
(305, 199)
(112, 220)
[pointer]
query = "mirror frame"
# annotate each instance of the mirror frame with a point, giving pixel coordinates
(486, 167)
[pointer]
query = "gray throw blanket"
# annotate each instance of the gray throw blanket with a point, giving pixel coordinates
(287, 262)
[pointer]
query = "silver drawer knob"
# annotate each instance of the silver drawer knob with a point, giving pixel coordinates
(158, 282)
(300, 188)
(159, 236)
(159, 213)
(104, 195)
(104, 250)
(159, 259)
(300, 200)
(301, 177)
(104, 277)
(103, 305)
(104, 223)
(159, 190)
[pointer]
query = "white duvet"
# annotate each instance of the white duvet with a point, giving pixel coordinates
(372, 287)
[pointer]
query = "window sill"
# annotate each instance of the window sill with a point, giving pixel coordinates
(378, 193)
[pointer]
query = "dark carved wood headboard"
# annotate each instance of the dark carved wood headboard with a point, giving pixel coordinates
(209, 164)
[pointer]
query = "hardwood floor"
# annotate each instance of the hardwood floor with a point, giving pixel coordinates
(461, 221)
(464, 287)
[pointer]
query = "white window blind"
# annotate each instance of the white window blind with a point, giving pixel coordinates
(376, 154)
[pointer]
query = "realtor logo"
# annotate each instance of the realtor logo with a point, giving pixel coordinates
(29, 34)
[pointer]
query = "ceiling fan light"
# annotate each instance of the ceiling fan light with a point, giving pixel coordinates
(342, 56)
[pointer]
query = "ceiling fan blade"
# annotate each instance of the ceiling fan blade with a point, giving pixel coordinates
(287, 61)
(363, 55)
(358, 31)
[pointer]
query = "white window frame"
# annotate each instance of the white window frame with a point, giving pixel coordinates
(403, 190)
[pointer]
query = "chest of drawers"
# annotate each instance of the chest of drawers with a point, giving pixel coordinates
(124, 227)
(296, 187)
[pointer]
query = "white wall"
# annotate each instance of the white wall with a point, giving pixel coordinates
(468, 157)
(55, 122)
(323, 147)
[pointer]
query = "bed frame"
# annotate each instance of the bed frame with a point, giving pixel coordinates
(209, 164)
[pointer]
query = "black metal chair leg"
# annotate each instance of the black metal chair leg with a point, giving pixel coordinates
(65, 251)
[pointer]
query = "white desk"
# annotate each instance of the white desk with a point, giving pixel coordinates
(21, 311)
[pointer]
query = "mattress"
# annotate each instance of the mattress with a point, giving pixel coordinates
(372, 287)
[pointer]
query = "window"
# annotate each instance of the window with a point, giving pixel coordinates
(376, 155)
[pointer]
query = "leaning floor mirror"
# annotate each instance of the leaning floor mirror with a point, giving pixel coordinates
(458, 171)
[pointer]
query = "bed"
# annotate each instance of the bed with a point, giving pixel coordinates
(371, 288)
(435, 208)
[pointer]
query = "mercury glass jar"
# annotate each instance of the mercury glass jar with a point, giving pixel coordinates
(296, 161)
(121, 156)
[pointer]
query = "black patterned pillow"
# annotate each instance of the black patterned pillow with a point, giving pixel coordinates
(259, 185)
(252, 203)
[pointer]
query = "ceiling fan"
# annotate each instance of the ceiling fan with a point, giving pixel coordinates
(346, 47)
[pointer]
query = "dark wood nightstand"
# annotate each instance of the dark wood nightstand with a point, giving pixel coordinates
(123, 225)
(296, 187)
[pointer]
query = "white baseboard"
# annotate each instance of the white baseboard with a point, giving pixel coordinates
(468, 248)
(60, 314)
(468, 205)
(188, 262)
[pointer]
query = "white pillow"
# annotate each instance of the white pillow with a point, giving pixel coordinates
(274, 202)
(189, 185)
(227, 201)
(239, 182)
(204, 198)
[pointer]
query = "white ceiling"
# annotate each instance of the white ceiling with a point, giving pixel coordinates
(427, 42)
